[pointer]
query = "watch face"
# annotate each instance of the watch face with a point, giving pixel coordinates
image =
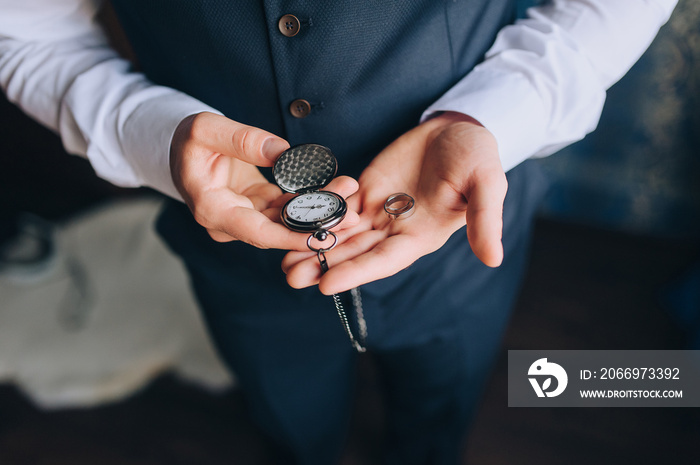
(314, 210)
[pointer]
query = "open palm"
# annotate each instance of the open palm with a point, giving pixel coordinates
(450, 165)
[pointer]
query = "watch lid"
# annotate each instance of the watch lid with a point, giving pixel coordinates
(304, 168)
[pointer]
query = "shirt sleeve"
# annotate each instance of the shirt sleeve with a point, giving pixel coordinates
(542, 84)
(57, 66)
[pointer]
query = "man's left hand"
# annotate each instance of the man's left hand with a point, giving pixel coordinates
(450, 165)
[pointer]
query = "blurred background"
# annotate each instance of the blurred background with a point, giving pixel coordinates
(103, 357)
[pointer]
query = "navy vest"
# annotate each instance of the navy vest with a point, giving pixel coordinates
(368, 67)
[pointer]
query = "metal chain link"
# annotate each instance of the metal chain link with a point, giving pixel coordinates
(359, 312)
(356, 302)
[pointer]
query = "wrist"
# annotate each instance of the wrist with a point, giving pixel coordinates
(452, 122)
(449, 117)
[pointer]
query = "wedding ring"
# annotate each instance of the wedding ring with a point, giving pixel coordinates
(399, 206)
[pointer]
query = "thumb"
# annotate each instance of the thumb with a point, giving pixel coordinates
(485, 217)
(247, 143)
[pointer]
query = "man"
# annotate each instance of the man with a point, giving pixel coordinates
(357, 77)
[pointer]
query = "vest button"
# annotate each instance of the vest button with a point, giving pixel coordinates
(289, 25)
(300, 108)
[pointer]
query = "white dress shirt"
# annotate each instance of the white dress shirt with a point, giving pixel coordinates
(540, 88)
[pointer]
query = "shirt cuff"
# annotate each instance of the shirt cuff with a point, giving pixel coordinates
(506, 104)
(147, 133)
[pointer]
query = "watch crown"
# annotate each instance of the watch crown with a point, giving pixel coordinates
(321, 234)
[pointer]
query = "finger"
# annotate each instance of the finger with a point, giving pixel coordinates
(292, 259)
(307, 271)
(355, 201)
(255, 228)
(263, 195)
(344, 186)
(485, 218)
(235, 216)
(247, 143)
(387, 258)
(351, 220)
(344, 237)
(303, 270)
(220, 236)
(280, 201)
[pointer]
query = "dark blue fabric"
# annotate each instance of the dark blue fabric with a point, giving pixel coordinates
(369, 68)
(434, 328)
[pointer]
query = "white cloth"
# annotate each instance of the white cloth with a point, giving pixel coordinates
(109, 311)
(541, 87)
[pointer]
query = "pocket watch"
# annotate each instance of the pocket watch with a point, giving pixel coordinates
(305, 170)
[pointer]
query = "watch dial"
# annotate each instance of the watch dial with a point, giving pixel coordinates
(315, 207)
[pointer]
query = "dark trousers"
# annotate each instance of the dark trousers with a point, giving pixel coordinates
(434, 330)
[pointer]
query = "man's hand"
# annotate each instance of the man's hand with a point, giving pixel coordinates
(213, 162)
(450, 165)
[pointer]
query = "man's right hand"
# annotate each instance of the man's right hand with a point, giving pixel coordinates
(213, 162)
